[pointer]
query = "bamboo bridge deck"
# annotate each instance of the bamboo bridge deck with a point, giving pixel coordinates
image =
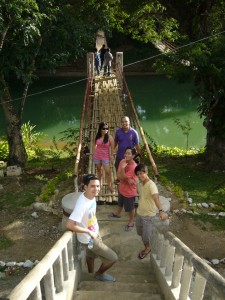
(106, 107)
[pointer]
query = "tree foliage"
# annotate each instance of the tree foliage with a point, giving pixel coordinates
(37, 34)
(45, 34)
(202, 59)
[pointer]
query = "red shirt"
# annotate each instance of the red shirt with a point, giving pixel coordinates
(126, 189)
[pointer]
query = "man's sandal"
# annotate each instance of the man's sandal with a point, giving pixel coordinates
(112, 215)
(143, 254)
(129, 227)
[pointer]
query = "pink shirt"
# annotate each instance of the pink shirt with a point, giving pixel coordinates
(126, 189)
(101, 151)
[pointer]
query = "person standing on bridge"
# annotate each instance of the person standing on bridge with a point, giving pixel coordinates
(102, 54)
(126, 136)
(108, 57)
(97, 61)
(147, 208)
(83, 221)
(104, 144)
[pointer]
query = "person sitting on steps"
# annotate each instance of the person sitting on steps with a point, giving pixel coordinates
(83, 221)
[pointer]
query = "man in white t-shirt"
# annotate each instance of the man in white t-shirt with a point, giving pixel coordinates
(83, 221)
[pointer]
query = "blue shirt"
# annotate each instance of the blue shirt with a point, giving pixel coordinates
(125, 139)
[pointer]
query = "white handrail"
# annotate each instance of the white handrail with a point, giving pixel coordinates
(54, 269)
(181, 272)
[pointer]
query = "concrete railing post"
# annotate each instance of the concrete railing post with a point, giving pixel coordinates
(185, 280)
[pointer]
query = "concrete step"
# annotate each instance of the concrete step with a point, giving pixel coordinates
(96, 295)
(139, 278)
(152, 288)
(131, 267)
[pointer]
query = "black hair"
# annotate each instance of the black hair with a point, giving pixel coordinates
(137, 158)
(99, 133)
(87, 178)
(141, 168)
(133, 150)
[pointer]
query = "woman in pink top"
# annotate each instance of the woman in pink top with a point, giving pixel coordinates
(127, 187)
(103, 143)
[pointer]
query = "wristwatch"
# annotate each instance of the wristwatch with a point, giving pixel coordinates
(161, 210)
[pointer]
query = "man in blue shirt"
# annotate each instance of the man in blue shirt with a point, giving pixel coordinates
(126, 136)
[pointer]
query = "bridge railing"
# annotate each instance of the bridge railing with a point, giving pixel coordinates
(132, 111)
(84, 115)
(181, 273)
(55, 276)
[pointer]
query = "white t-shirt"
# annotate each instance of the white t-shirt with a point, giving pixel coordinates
(84, 214)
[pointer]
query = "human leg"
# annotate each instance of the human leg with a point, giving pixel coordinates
(119, 208)
(98, 69)
(108, 177)
(109, 70)
(129, 207)
(131, 216)
(108, 258)
(99, 172)
(105, 70)
(147, 222)
(90, 264)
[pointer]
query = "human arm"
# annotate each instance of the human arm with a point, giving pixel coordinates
(115, 145)
(111, 142)
(122, 175)
(162, 214)
(72, 225)
(138, 148)
(115, 142)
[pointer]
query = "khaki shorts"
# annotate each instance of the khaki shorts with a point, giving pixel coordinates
(106, 254)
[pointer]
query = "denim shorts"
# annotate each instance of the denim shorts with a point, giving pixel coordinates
(101, 161)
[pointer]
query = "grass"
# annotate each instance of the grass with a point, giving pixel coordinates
(191, 174)
(5, 242)
(49, 171)
(217, 223)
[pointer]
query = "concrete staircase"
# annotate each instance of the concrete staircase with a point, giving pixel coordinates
(135, 280)
(134, 277)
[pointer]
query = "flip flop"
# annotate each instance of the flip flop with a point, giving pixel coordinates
(129, 227)
(105, 277)
(143, 254)
(112, 215)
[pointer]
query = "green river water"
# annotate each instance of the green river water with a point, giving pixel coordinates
(158, 100)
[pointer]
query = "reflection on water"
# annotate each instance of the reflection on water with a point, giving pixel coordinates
(158, 101)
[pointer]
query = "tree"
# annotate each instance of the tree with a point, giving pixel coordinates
(202, 61)
(44, 34)
(37, 34)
